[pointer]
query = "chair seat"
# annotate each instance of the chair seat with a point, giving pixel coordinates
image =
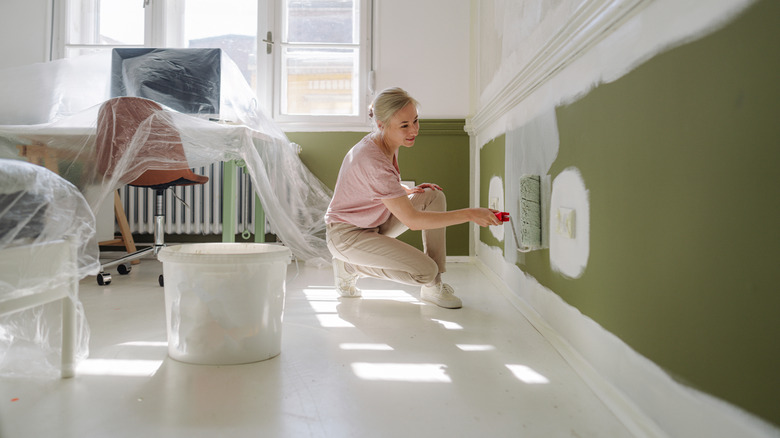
(120, 121)
(167, 178)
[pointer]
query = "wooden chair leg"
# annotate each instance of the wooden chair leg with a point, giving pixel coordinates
(126, 237)
(124, 227)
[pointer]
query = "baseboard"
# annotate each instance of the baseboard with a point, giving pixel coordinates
(459, 259)
(640, 394)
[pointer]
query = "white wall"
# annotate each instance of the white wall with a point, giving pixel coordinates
(24, 31)
(423, 47)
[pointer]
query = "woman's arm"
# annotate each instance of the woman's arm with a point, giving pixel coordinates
(402, 208)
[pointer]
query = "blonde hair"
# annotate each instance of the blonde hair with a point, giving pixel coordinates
(388, 102)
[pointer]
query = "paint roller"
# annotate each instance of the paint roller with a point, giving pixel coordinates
(530, 236)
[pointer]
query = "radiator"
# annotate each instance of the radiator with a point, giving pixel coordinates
(193, 209)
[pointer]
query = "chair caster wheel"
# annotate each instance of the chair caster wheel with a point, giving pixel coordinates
(124, 269)
(160, 280)
(103, 279)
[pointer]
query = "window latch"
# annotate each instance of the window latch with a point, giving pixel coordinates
(269, 42)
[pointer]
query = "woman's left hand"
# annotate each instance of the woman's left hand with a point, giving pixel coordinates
(420, 188)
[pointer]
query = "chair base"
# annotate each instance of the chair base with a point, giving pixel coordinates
(104, 278)
(123, 263)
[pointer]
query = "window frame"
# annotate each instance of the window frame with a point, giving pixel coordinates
(360, 121)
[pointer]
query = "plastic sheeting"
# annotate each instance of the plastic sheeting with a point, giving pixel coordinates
(38, 207)
(50, 117)
(70, 94)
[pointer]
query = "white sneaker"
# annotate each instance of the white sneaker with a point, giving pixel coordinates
(345, 282)
(442, 295)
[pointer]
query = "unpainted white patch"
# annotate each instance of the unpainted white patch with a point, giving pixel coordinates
(569, 224)
(496, 201)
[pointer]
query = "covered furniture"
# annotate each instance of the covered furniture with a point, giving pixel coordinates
(47, 245)
(293, 198)
(136, 135)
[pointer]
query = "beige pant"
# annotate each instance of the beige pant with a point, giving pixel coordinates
(375, 252)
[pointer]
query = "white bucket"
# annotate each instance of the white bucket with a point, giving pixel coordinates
(224, 302)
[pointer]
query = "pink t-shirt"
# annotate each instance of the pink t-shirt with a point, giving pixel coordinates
(367, 176)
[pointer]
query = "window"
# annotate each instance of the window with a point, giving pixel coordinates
(315, 74)
(323, 60)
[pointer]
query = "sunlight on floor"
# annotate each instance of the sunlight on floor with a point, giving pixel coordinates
(119, 367)
(144, 344)
(527, 375)
(324, 306)
(325, 301)
(475, 347)
(366, 347)
(390, 294)
(332, 320)
(402, 372)
(319, 293)
(449, 325)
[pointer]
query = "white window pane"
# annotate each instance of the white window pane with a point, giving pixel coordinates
(230, 25)
(121, 22)
(321, 21)
(107, 22)
(320, 82)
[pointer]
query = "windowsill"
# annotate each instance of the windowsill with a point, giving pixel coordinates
(323, 127)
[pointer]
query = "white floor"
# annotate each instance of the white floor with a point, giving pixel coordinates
(385, 365)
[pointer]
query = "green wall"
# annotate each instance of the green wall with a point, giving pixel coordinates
(680, 159)
(440, 155)
(492, 157)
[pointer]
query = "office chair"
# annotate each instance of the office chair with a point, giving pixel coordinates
(117, 131)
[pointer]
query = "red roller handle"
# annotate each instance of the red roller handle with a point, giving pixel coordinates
(502, 216)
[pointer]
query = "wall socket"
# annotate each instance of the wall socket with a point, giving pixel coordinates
(565, 222)
(493, 203)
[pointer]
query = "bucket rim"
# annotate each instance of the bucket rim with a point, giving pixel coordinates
(226, 252)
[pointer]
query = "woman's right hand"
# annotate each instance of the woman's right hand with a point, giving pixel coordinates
(484, 217)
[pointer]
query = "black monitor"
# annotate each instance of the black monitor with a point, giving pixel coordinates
(186, 80)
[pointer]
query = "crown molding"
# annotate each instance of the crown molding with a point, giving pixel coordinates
(588, 25)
